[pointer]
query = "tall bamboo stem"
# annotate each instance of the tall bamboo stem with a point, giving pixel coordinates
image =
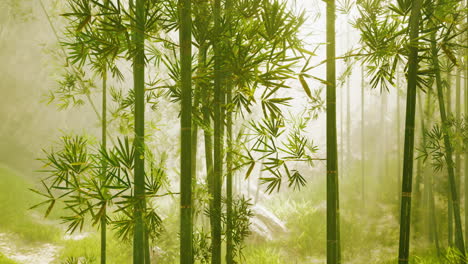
(459, 241)
(104, 164)
(363, 144)
(185, 37)
(403, 253)
(139, 88)
(218, 136)
(333, 215)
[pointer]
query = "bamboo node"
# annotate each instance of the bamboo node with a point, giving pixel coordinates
(185, 206)
(406, 194)
(332, 171)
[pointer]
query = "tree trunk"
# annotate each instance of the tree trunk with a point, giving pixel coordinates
(403, 253)
(333, 215)
(459, 243)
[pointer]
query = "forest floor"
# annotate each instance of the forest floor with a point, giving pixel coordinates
(369, 236)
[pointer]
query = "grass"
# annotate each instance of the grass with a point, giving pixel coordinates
(89, 247)
(5, 260)
(15, 217)
(262, 255)
(369, 234)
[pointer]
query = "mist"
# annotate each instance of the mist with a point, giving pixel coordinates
(119, 151)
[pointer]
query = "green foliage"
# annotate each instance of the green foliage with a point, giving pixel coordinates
(75, 177)
(241, 215)
(280, 153)
(433, 148)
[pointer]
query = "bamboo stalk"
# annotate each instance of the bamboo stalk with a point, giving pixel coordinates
(459, 241)
(185, 37)
(104, 164)
(363, 146)
(450, 203)
(229, 220)
(333, 215)
(457, 153)
(403, 253)
(466, 140)
(218, 136)
(398, 132)
(139, 170)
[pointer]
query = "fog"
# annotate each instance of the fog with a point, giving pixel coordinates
(286, 226)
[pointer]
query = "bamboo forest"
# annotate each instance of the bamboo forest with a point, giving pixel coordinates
(233, 131)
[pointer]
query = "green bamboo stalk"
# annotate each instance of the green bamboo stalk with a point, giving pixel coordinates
(208, 136)
(147, 246)
(450, 203)
(429, 181)
(196, 105)
(104, 164)
(363, 146)
(458, 115)
(433, 218)
(333, 215)
(139, 87)
(420, 172)
(419, 167)
(219, 96)
(185, 37)
(342, 124)
(229, 226)
(398, 131)
(229, 163)
(403, 253)
(459, 241)
(466, 140)
(383, 125)
(348, 116)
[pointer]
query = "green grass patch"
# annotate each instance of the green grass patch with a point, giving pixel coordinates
(15, 217)
(5, 260)
(89, 248)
